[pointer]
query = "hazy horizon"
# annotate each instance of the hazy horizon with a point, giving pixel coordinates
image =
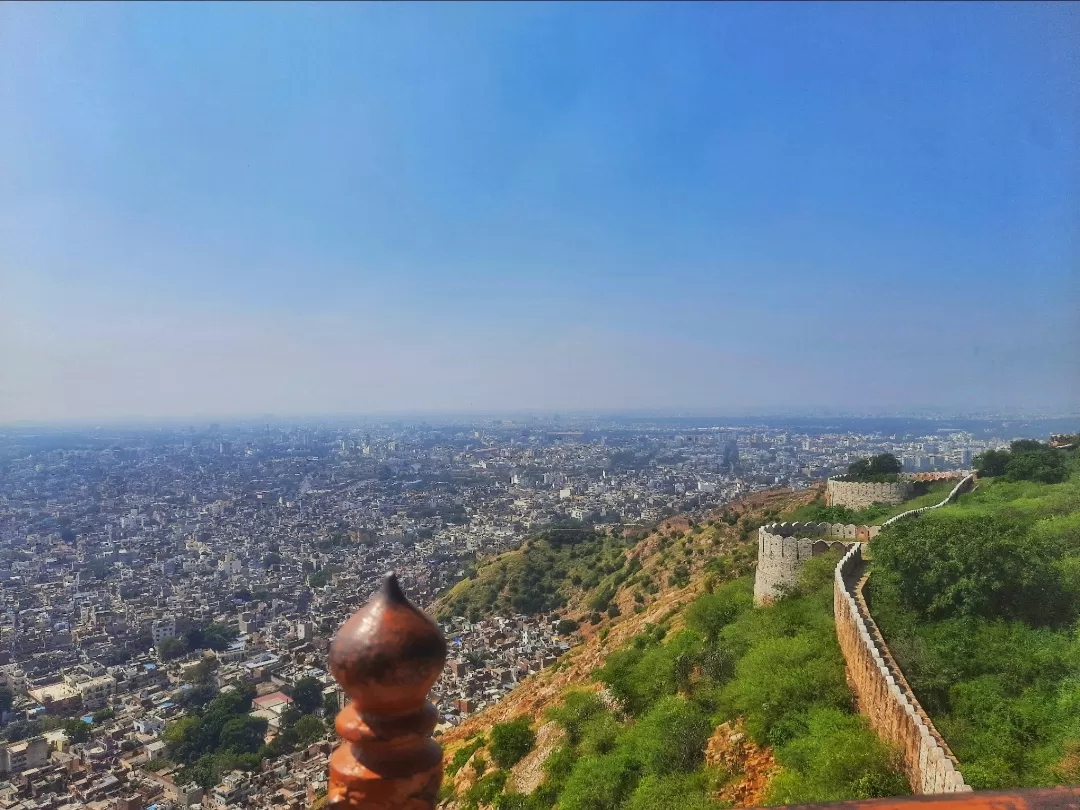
(231, 210)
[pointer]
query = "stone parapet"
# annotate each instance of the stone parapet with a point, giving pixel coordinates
(783, 548)
(858, 495)
(967, 483)
(883, 694)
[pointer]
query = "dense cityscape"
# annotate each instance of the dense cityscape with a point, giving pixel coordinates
(146, 572)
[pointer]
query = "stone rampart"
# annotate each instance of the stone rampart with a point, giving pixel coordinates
(857, 495)
(884, 696)
(965, 485)
(783, 548)
(948, 475)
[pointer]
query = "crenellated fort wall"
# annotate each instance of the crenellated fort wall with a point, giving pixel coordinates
(857, 495)
(883, 694)
(784, 547)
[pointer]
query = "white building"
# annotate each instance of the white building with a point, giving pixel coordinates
(162, 629)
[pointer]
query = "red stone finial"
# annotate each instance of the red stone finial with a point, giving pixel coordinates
(386, 657)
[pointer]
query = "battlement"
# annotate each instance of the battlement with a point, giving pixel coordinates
(839, 491)
(783, 548)
(859, 495)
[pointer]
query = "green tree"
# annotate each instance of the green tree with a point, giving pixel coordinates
(202, 672)
(7, 698)
(600, 783)
(674, 792)
(838, 758)
(103, 716)
(885, 464)
(711, 613)
(992, 463)
(309, 728)
(218, 635)
(990, 566)
(1043, 465)
(331, 705)
(242, 735)
(671, 737)
(780, 676)
(76, 730)
(879, 467)
(170, 648)
(577, 708)
(511, 741)
(290, 716)
(307, 694)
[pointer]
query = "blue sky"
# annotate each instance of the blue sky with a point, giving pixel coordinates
(212, 209)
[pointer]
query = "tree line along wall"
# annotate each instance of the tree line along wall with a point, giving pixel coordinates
(783, 548)
(884, 696)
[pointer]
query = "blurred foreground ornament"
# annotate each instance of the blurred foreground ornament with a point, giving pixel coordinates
(387, 657)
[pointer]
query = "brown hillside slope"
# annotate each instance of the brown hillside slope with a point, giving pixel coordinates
(714, 549)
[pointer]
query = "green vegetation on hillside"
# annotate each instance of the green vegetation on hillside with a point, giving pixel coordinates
(980, 604)
(778, 668)
(1025, 460)
(541, 575)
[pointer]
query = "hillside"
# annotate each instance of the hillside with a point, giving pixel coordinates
(980, 604)
(686, 697)
(600, 580)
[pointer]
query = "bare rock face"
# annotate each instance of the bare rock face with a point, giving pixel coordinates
(750, 765)
(526, 776)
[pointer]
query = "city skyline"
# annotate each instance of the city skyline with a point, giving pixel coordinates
(744, 209)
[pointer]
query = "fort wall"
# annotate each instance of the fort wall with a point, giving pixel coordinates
(857, 495)
(783, 548)
(882, 692)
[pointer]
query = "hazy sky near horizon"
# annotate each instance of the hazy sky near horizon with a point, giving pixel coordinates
(232, 209)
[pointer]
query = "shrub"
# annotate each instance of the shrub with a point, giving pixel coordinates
(576, 709)
(461, 756)
(779, 677)
(511, 741)
(837, 758)
(671, 737)
(674, 792)
(972, 565)
(710, 613)
(1046, 466)
(600, 783)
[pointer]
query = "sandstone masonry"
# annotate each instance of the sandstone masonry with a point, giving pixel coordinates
(783, 548)
(883, 694)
